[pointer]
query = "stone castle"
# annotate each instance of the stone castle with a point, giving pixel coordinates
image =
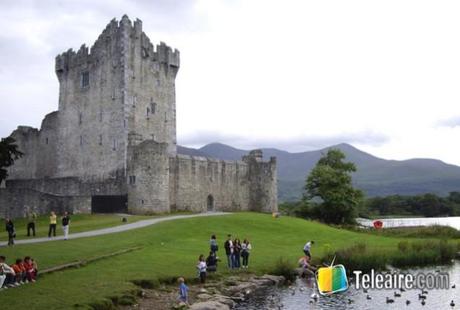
(111, 146)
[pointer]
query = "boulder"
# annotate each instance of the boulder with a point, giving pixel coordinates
(203, 296)
(209, 305)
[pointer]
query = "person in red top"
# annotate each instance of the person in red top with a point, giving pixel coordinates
(20, 271)
(31, 271)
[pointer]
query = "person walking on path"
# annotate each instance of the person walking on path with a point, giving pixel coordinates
(11, 231)
(246, 248)
(65, 225)
(307, 248)
(53, 221)
(31, 220)
(228, 245)
(213, 244)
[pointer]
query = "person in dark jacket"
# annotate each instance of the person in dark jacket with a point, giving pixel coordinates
(11, 231)
(228, 245)
(211, 262)
(237, 253)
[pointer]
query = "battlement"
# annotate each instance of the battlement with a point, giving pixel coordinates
(113, 43)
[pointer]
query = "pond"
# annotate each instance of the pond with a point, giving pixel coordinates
(298, 296)
(453, 221)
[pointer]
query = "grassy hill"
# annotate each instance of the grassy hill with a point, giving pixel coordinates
(375, 176)
(169, 249)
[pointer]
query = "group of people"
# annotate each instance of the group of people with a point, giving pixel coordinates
(237, 253)
(32, 223)
(22, 272)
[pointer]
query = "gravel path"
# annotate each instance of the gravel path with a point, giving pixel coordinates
(111, 230)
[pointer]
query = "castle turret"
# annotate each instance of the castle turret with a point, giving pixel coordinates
(262, 182)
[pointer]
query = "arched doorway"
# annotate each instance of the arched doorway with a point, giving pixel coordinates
(210, 203)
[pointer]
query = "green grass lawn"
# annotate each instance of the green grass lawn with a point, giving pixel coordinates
(169, 249)
(79, 223)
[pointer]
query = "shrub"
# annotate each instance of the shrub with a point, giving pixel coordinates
(447, 251)
(356, 257)
(147, 283)
(103, 304)
(285, 268)
(403, 246)
(126, 300)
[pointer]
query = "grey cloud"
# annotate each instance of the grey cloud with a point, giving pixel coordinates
(295, 144)
(35, 31)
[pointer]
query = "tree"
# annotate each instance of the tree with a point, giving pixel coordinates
(8, 154)
(330, 183)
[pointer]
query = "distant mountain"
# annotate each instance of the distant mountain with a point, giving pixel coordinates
(375, 176)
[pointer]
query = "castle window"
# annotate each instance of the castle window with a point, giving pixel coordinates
(100, 115)
(153, 106)
(100, 139)
(113, 95)
(114, 146)
(46, 140)
(80, 118)
(84, 82)
(134, 101)
(81, 140)
(132, 179)
(158, 82)
(124, 123)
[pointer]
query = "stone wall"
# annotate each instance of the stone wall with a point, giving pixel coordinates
(194, 179)
(14, 203)
(148, 178)
(39, 148)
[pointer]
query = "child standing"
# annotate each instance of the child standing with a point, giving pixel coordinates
(201, 269)
(183, 290)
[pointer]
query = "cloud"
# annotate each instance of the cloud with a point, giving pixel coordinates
(449, 122)
(34, 32)
(292, 144)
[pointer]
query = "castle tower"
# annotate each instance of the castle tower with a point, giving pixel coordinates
(122, 85)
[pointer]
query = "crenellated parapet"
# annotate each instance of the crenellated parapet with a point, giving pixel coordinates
(113, 43)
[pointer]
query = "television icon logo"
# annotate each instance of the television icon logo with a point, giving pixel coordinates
(331, 279)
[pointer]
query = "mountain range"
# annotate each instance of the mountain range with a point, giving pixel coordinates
(375, 176)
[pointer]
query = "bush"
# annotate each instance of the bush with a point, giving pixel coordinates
(447, 251)
(285, 268)
(147, 283)
(356, 257)
(424, 253)
(103, 304)
(403, 246)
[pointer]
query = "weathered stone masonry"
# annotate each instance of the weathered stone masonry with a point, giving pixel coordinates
(111, 146)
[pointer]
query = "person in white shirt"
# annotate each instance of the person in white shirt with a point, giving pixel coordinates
(201, 269)
(307, 248)
(246, 248)
(7, 274)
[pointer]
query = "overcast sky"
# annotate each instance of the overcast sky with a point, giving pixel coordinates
(383, 76)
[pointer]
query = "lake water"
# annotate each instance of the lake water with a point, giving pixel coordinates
(298, 297)
(453, 221)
